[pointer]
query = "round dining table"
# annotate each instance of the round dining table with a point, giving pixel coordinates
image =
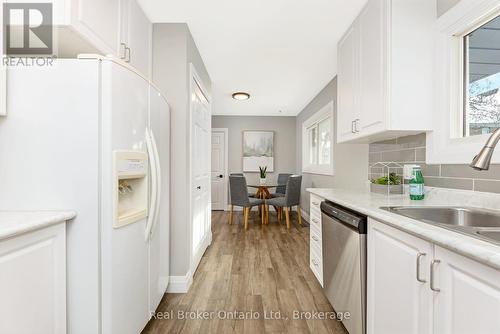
(263, 193)
(263, 190)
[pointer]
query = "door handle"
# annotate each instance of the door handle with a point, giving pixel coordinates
(419, 257)
(433, 287)
(221, 176)
(315, 221)
(356, 125)
(199, 187)
(314, 238)
(127, 54)
(123, 50)
(353, 127)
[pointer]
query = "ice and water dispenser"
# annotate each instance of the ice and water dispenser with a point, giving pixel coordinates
(131, 187)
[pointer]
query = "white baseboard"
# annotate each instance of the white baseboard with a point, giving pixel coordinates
(305, 215)
(180, 284)
(163, 282)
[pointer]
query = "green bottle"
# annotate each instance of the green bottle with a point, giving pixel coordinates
(417, 185)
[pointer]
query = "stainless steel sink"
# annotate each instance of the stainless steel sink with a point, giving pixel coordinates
(493, 235)
(480, 223)
(456, 216)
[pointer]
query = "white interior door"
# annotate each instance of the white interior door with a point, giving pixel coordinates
(200, 167)
(219, 168)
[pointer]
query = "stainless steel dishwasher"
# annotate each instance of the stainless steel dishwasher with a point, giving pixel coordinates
(344, 264)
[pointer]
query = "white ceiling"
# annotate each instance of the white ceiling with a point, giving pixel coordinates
(282, 52)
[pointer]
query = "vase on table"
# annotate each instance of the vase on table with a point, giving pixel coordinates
(262, 181)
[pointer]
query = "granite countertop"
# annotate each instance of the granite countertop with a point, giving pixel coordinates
(14, 223)
(368, 203)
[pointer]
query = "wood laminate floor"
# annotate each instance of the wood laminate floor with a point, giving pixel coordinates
(261, 275)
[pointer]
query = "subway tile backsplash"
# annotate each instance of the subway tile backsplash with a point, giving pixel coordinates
(411, 150)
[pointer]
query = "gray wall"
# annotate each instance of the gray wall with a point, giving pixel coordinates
(444, 5)
(173, 50)
(350, 160)
(284, 141)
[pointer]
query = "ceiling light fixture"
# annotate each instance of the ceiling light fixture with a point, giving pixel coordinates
(241, 96)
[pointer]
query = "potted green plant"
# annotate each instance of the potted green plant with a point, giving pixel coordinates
(390, 184)
(263, 173)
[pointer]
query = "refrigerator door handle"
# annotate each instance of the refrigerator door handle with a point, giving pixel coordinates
(158, 180)
(154, 185)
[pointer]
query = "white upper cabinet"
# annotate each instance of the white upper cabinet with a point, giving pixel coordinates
(347, 75)
(87, 26)
(385, 66)
(108, 27)
(136, 36)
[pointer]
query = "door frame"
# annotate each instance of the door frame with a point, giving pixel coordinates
(226, 162)
(195, 80)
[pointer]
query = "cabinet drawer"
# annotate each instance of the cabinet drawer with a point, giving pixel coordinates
(315, 239)
(315, 203)
(316, 265)
(315, 221)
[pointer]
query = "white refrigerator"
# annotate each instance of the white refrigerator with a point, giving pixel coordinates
(93, 135)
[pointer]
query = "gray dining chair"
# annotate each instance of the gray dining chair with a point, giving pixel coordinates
(281, 188)
(291, 198)
(239, 197)
(241, 174)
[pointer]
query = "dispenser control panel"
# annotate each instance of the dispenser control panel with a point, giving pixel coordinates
(131, 187)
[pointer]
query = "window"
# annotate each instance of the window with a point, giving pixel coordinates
(482, 79)
(467, 44)
(317, 149)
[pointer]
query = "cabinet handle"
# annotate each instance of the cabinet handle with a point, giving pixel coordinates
(356, 125)
(315, 203)
(315, 221)
(419, 257)
(353, 127)
(314, 238)
(433, 287)
(314, 262)
(123, 50)
(127, 54)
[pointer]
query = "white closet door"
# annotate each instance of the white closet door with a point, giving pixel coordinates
(201, 174)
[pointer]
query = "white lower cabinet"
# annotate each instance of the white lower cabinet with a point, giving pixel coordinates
(33, 282)
(315, 238)
(417, 287)
(469, 297)
(398, 296)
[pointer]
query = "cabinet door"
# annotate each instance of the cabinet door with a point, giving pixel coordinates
(396, 301)
(347, 84)
(137, 35)
(99, 21)
(372, 57)
(469, 296)
(33, 282)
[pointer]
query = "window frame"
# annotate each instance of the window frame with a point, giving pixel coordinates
(465, 56)
(313, 122)
(446, 144)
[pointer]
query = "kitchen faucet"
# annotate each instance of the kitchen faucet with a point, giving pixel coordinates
(483, 159)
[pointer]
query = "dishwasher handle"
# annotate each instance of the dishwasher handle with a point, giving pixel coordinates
(351, 219)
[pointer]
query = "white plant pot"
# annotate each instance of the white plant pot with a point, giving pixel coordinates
(262, 180)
